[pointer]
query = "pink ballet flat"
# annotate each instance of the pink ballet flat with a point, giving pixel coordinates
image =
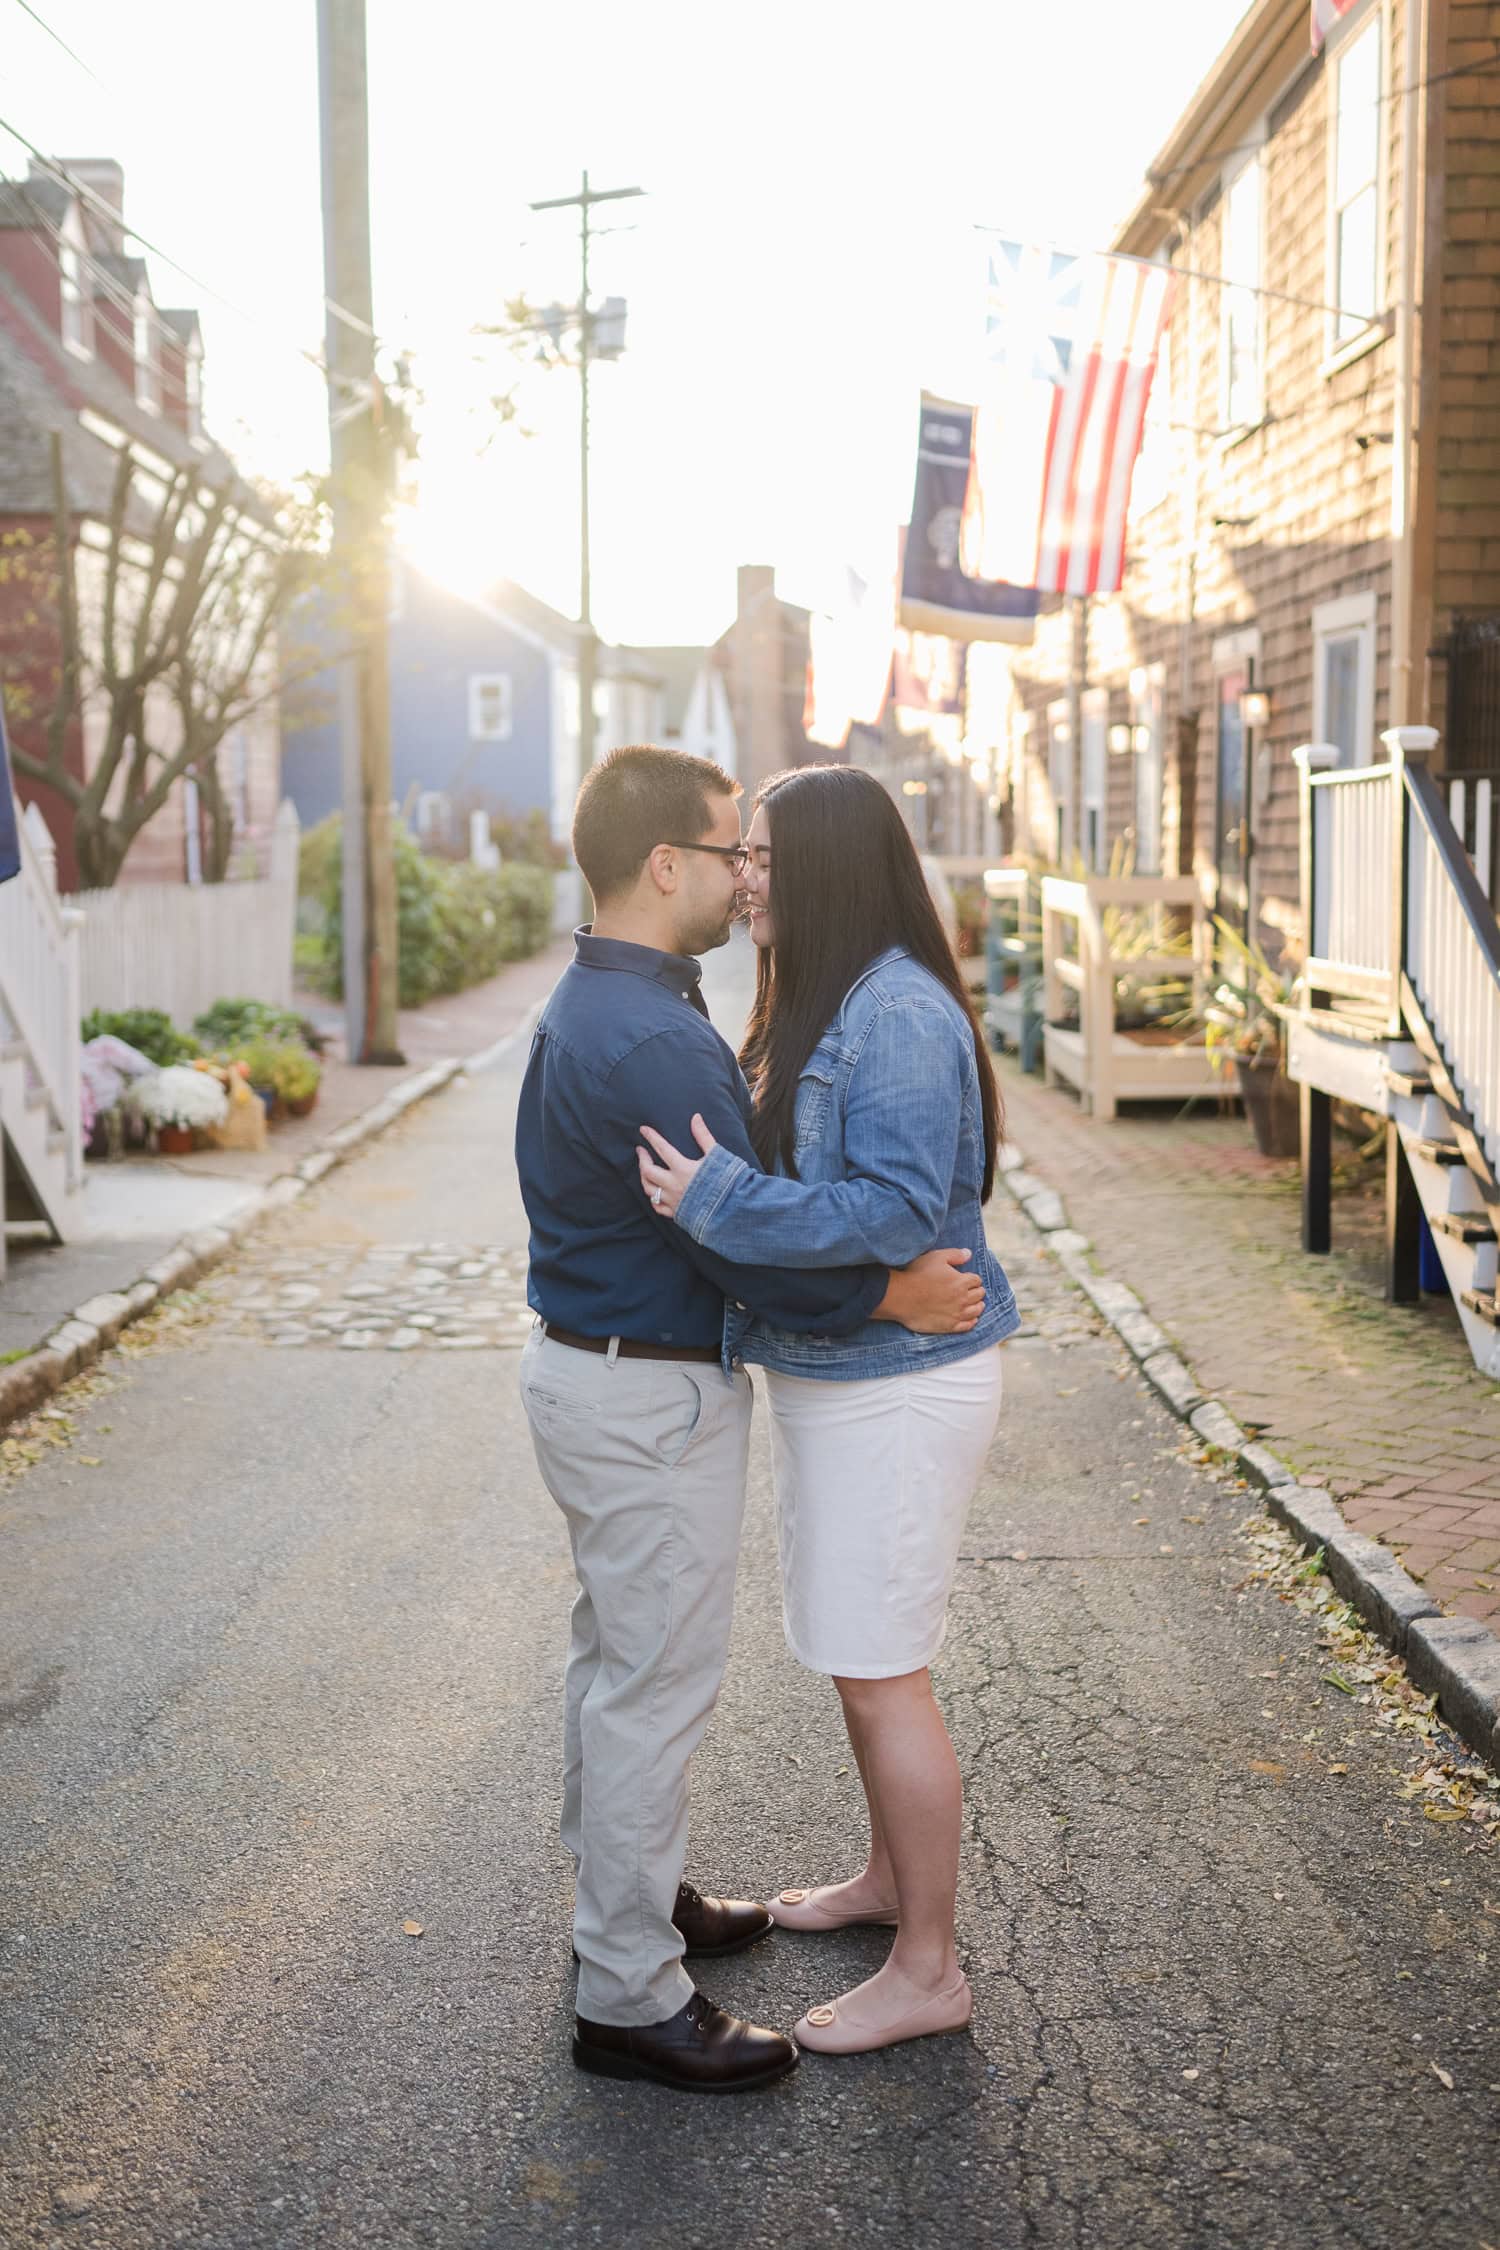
(838, 2028)
(800, 1910)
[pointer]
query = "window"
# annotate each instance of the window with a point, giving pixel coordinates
(489, 707)
(1354, 215)
(1147, 720)
(1060, 777)
(1095, 714)
(1240, 380)
(193, 391)
(1344, 677)
(1153, 469)
(147, 357)
(73, 266)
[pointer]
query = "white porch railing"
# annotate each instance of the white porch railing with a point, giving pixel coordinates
(181, 946)
(39, 983)
(1349, 844)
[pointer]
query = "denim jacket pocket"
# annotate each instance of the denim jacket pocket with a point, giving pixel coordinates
(814, 1094)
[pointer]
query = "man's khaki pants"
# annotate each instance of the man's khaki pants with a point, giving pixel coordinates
(646, 1459)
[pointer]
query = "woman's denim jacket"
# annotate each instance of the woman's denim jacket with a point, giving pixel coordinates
(889, 1135)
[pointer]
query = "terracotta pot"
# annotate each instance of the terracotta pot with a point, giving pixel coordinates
(1271, 1104)
(175, 1140)
(304, 1105)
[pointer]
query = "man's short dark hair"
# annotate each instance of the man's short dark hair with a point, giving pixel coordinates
(635, 799)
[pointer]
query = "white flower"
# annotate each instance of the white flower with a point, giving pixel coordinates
(179, 1096)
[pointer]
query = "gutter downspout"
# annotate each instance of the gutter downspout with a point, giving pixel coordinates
(1403, 686)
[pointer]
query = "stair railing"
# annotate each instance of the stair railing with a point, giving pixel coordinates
(1450, 951)
(39, 981)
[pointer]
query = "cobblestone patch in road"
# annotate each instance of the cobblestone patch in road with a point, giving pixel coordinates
(393, 1297)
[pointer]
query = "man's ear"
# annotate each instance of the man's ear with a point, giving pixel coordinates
(663, 867)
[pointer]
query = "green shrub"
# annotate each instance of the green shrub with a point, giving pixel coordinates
(319, 854)
(283, 1064)
(150, 1030)
(455, 924)
(228, 1022)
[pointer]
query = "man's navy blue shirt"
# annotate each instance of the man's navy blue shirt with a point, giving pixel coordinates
(625, 1041)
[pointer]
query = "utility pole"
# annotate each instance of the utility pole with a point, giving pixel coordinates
(361, 573)
(588, 647)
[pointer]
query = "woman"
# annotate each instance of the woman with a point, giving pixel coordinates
(878, 1121)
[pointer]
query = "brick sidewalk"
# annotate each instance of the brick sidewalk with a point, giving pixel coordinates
(1380, 1403)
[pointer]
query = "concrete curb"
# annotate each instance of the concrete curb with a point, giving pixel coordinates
(1456, 1658)
(78, 1341)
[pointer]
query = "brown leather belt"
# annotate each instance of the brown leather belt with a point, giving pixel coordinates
(708, 1354)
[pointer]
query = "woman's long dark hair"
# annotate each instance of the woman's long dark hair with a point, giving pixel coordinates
(846, 884)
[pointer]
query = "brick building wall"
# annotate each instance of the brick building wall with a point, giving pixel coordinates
(1247, 531)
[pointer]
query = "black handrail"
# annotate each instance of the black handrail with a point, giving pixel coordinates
(1426, 795)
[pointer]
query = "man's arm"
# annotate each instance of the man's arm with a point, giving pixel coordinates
(666, 1079)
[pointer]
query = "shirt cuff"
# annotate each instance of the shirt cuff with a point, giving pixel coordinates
(712, 1181)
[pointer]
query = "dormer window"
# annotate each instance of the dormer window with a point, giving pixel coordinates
(73, 267)
(147, 357)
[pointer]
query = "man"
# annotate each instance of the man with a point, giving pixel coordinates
(640, 1422)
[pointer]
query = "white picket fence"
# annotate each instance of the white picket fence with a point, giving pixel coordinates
(181, 946)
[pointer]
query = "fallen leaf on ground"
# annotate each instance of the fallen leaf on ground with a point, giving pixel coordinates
(1336, 1679)
(89, 1461)
(1267, 1765)
(1442, 2076)
(412, 1929)
(1338, 1769)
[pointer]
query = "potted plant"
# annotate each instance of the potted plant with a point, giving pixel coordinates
(179, 1102)
(298, 1075)
(1244, 1027)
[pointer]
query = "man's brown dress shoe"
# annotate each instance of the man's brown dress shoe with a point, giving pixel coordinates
(700, 2050)
(718, 1925)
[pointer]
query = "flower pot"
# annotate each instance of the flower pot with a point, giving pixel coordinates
(1271, 1104)
(175, 1140)
(270, 1101)
(304, 1105)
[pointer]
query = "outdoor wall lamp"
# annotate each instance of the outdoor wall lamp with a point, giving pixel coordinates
(1119, 740)
(1255, 707)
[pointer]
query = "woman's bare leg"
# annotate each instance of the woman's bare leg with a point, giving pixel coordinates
(913, 1786)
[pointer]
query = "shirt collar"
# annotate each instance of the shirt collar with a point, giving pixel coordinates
(677, 971)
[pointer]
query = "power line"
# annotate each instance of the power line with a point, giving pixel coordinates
(58, 40)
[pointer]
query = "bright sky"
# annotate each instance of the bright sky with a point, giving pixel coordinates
(803, 264)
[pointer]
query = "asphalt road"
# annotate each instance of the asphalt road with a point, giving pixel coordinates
(282, 1674)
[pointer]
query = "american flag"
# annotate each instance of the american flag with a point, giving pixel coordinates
(1071, 345)
(1325, 14)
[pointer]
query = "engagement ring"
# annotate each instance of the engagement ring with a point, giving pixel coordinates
(656, 1195)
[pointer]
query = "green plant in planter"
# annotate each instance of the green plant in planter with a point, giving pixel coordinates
(150, 1031)
(1244, 1021)
(282, 1067)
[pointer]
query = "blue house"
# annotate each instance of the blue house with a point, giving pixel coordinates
(484, 701)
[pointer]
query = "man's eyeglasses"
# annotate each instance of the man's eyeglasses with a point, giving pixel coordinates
(738, 855)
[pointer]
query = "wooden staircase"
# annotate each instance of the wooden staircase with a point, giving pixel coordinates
(1401, 1014)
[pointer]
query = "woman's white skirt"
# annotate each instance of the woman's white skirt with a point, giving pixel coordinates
(873, 1485)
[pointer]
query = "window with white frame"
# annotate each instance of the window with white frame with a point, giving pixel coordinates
(1344, 677)
(1060, 778)
(1147, 724)
(147, 357)
(73, 268)
(489, 707)
(1241, 377)
(193, 390)
(1152, 480)
(1095, 717)
(1354, 189)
